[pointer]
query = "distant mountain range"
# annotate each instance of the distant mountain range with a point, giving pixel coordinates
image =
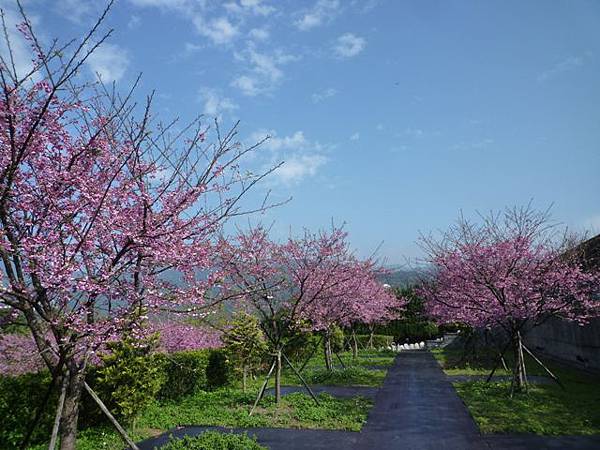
(398, 277)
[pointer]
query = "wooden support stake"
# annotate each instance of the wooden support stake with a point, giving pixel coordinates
(340, 359)
(497, 361)
(59, 409)
(301, 379)
(311, 354)
(112, 419)
(554, 377)
(263, 387)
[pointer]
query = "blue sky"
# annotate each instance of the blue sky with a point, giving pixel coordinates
(391, 115)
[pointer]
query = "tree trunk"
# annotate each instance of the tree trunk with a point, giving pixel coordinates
(371, 334)
(354, 345)
(244, 376)
(519, 381)
(70, 412)
(278, 377)
(327, 351)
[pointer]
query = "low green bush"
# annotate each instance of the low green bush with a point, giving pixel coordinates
(185, 373)
(337, 339)
(217, 370)
(213, 440)
(129, 377)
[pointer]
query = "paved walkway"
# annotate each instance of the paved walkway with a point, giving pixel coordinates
(416, 409)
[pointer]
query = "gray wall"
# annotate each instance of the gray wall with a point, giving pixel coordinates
(566, 341)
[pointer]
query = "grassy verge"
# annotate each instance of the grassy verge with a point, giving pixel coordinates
(544, 409)
(230, 407)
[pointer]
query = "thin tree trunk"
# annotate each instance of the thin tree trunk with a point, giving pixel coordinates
(371, 334)
(354, 345)
(244, 376)
(519, 381)
(70, 410)
(327, 351)
(278, 377)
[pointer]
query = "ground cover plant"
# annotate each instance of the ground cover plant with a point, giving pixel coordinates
(543, 409)
(212, 440)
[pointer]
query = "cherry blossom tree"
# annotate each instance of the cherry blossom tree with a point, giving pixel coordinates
(361, 298)
(292, 285)
(98, 201)
(510, 273)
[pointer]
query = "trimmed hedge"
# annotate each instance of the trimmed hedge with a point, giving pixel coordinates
(405, 331)
(379, 340)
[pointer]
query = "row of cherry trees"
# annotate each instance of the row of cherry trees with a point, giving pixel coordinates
(510, 271)
(309, 283)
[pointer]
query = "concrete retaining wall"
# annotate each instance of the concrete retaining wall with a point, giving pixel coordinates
(568, 342)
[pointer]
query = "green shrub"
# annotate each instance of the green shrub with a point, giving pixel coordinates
(19, 398)
(336, 337)
(217, 370)
(185, 373)
(129, 378)
(245, 344)
(300, 346)
(213, 440)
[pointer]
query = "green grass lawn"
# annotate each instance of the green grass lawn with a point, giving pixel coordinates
(544, 409)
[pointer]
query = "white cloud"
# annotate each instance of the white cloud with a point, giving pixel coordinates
(109, 61)
(355, 137)
(134, 22)
(248, 85)
(480, 144)
(298, 167)
(75, 10)
(566, 65)
(295, 141)
(215, 105)
(349, 45)
(219, 31)
(413, 133)
(318, 97)
(256, 7)
(301, 157)
(259, 34)
(322, 12)
(264, 72)
(169, 4)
